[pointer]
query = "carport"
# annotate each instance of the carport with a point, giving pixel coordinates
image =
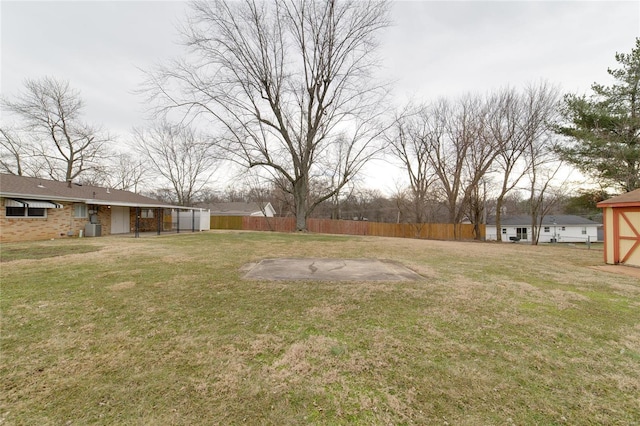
(168, 219)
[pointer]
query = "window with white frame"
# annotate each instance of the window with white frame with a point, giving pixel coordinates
(547, 229)
(146, 213)
(80, 210)
(521, 233)
(584, 230)
(504, 230)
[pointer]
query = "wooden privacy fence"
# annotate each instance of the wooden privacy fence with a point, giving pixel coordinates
(430, 231)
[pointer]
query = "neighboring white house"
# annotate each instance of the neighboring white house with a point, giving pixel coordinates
(241, 209)
(554, 228)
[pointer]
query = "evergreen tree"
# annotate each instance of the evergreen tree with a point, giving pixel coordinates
(605, 127)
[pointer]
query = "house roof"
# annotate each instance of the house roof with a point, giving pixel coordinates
(629, 199)
(12, 186)
(240, 208)
(547, 220)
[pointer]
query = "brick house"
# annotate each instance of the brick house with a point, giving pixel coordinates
(38, 209)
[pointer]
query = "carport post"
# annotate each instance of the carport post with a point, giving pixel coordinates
(178, 220)
(159, 219)
(137, 230)
(193, 221)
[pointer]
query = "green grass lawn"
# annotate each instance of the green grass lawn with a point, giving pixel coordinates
(164, 331)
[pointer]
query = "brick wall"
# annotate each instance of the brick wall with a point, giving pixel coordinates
(150, 224)
(58, 223)
(104, 219)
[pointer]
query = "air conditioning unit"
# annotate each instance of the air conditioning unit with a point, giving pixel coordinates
(92, 230)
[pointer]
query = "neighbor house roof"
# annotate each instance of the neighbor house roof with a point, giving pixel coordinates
(548, 220)
(629, 199)
(240, 208)
(12, 186)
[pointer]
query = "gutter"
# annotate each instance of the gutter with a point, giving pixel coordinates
(98, 202)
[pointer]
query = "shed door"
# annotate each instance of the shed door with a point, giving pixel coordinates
(119, 220)
(626, 226)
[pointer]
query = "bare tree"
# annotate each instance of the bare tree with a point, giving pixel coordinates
(15, 153)
(127, 172)
(543, 165)
(476, 206)
(283, 200)
(518, 124)
(290, 81)
(360, 203)
(175, 153)
(406, 140)
(458, 150)
(480, 158)
(52, 112)
(543, 196)
(124, 171)
(540, 152)
(504, 125)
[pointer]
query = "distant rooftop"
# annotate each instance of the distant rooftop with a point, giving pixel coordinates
(548, 220)
(240, 208)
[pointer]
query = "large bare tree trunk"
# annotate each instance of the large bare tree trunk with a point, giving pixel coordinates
(300, 197)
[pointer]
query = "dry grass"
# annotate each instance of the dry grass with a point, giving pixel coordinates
(164, 331)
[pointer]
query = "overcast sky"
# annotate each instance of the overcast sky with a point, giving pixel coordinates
(434, 48)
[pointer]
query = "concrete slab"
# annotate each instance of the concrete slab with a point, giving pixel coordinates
(323, 269)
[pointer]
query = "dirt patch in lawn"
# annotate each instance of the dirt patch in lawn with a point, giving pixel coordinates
(34, 251)
(122, 285)
(620, 269)
(324, 269)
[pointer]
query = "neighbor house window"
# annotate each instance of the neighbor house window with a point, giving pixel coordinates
(25, 212)
(146, 213)
(563, 228)
(547, 229)
(584, 230)
(504, 230)
(80, 210)
(521, 233)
